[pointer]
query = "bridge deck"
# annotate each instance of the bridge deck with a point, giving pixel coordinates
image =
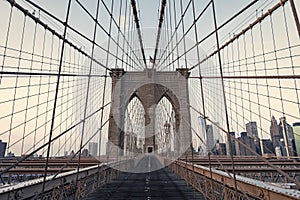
(159, 184)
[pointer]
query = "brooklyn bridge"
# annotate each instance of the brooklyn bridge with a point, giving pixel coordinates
(160, 99)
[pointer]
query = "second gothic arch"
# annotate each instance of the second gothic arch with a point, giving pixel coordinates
(150, 95)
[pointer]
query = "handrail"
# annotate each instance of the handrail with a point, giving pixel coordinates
(250, 186)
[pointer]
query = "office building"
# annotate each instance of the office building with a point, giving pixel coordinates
(275, 134)
(210, 143)
(85, 153)
(93, 148)
(232, 140)
(220, 148)
(251, 129)
(267, 146)
(286, 131)
(258, 148)
(217, 131)
(247, 141)
(296, 130)
(2, 148)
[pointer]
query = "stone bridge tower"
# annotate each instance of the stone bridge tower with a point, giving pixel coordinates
(149, 86)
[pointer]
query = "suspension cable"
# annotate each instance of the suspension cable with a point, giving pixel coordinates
(137, 24)
(161, 20)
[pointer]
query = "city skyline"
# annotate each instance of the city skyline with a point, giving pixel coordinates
(276, 144)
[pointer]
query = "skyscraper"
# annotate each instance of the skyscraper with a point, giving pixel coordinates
(248, 141)
(267, 146)
(251, 129)
(276, 137)
(85, 153)
(288, 138)
(220, 148)
(232, 140)
(258, 148)
(217, 132)
(275, 134)
(2, 148)
(93, 148)
(296, 130)
(210, 143)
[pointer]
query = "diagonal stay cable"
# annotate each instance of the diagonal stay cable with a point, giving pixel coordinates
(19, 7)
(56, 93)
(269, 12)
(213, 32)
(194, 24)
(68, 26)
(74, 156)
(122, 33)
(87, 95)
(280, 171)
(210, 34)
(52, 140)
(175, 32)
(108, 34)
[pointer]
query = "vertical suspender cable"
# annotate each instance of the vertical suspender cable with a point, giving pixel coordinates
(16, 84)
(87, 92)
(29, 84)
(183, 33)
(224, 97)
(6, 40)
(56, 92)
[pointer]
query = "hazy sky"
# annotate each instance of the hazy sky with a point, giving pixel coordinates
(18, 118)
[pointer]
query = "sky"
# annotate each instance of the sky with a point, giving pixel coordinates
(244, 103)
